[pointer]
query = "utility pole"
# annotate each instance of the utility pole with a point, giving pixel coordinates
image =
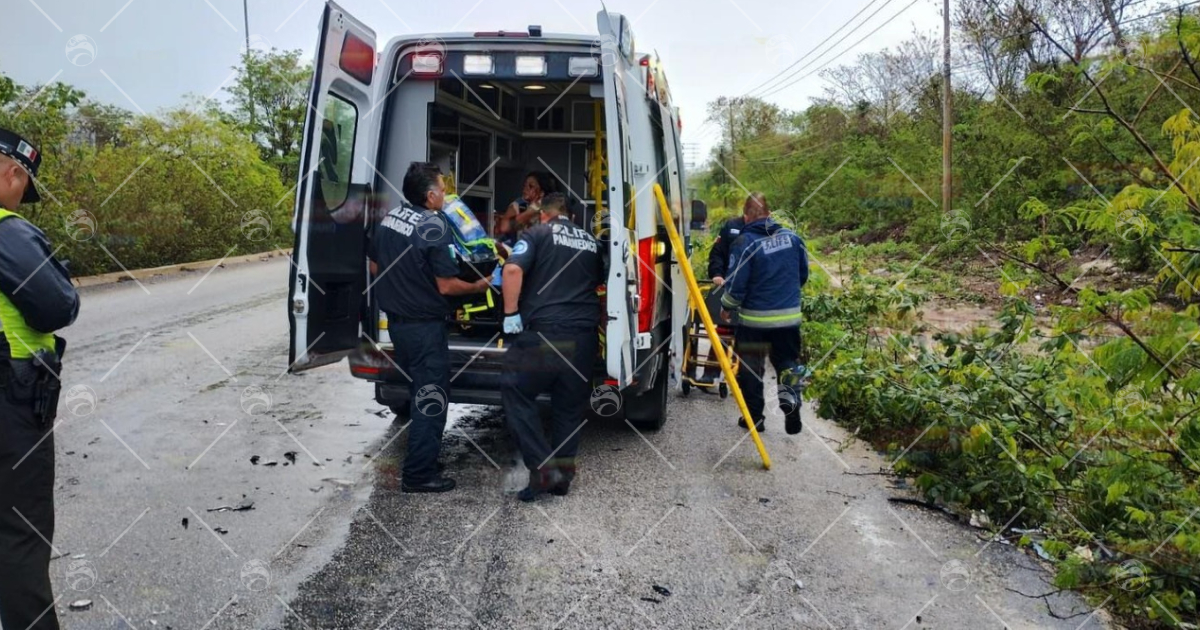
(246, 64)
(732, 141)
(947, 109)
(246, 21)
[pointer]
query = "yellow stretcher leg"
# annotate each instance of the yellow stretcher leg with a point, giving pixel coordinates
(709, 326)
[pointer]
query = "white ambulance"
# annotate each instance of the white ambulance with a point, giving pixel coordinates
(489, 107)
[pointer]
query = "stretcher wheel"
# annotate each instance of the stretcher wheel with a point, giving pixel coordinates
(687, 388)
(723, 390)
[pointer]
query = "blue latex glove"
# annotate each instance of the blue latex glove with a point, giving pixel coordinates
(497, 275)
(513, 325)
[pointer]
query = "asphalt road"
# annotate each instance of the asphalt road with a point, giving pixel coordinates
(174, 388)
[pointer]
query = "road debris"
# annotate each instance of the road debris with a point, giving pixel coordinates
(221, 530)
(81, 604)
(651, 600)
(290, 456)
(662, 590)
(254, 459)
(270, 462)
(244, 506)
(185, 522)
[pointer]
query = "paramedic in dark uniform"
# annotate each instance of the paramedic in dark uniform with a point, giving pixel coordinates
(36, 298)
(414, 272)
(550, 302)
(768, 266)
(718, 265)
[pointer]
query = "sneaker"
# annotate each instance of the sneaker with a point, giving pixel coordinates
(761, 424)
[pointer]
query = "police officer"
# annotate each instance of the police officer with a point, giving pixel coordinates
(718, 266)
(414, 272)
(550, 301)
(768, 266)
(36, 298)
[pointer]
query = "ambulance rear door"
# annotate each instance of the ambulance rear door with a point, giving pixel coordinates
(616, 60)
(327, 296)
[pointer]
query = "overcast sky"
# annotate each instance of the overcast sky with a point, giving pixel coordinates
(150, 54)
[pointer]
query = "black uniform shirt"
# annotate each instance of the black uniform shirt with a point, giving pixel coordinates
(36, 282)
(412, 247)
(563, 266)
(718, 256)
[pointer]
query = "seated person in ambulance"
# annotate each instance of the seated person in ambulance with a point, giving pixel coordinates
(524, 212)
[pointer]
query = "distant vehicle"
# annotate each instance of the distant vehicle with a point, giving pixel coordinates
(488, 107)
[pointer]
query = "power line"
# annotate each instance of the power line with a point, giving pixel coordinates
(814, 48)
(780, 88)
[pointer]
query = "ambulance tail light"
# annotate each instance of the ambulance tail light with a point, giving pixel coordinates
(647, 282)
(370, 362)
(357, 59)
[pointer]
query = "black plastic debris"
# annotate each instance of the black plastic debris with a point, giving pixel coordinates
(270, 462)
(254, 459)
(652, 600)
(662, 590)
(764, 500)
(244, 506)
(185, 522)
(290, 456)
(221, 530)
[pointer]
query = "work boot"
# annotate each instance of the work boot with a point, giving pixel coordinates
(759, 424)
(563, 487)
(792, 423)
(541, 481)
(437, 484)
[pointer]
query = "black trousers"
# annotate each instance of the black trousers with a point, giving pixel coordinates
(753, 346)
(422, 350)
(26, 493)
(560, 363)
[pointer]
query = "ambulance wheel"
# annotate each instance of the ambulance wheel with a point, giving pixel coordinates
(723, 390)
(648, 412)
(687, 388)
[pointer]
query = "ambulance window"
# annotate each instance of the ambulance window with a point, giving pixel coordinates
(337, 150)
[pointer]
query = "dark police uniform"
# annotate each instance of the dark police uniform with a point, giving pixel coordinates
(769, 266)
(718, 256)
(36, 298)
(413, 247)
(560, 310)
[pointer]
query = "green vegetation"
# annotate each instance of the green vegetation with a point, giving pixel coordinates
(1076, 420)
(193, 183)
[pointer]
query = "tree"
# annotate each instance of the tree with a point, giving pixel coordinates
(270, 99)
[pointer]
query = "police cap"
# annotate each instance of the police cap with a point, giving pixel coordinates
(17, 148)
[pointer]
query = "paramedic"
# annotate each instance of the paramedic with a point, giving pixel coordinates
(550, 301)
(36, 298)
(718, 266)
(768, 266)
(412, 290)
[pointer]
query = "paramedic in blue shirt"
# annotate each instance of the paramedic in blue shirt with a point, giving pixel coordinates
(414, 272)
(768, 265)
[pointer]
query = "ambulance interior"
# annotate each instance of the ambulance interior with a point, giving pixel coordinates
(487, 135)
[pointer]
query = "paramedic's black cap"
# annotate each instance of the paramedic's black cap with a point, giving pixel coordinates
(27, 156)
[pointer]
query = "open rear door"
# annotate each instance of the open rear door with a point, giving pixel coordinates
(616, 49)
(329, 275)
